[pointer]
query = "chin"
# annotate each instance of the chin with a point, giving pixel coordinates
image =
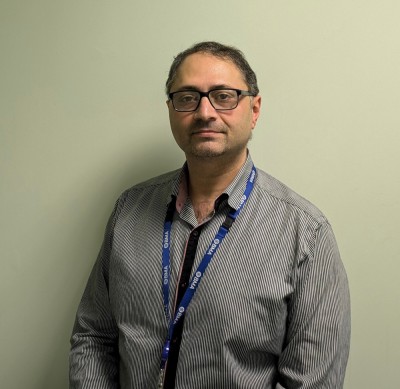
(206, 152)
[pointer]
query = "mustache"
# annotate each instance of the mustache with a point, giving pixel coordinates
(200, 125)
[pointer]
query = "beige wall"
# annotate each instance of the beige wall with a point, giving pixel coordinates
(83, 116)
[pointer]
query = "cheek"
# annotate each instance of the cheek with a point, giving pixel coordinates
(171, 116)
(179, 122)
(178, 128)
(244, 124)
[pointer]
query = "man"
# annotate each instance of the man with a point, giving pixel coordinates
(215, 275)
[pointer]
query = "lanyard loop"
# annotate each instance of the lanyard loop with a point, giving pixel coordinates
(197, 277)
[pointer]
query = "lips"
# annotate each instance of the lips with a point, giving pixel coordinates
(207, 129)
(197, 130)
(206, 132)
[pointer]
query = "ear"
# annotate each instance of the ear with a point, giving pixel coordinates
(256, 106)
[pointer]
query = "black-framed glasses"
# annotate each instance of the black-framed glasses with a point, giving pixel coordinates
(220, 99)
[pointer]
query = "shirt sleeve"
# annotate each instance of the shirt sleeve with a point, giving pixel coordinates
(94, 342)
(318, 330)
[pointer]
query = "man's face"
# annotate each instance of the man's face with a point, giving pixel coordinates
(206, 132)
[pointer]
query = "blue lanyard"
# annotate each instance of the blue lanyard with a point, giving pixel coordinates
(199, 273)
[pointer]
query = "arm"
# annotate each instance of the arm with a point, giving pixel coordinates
(94, 343)
(318, 330)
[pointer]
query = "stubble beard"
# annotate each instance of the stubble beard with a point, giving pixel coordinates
(208, 148)
(214, 148)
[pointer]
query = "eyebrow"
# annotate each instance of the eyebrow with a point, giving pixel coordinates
(194, 88)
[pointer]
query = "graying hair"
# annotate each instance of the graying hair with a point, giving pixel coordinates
(218, 50)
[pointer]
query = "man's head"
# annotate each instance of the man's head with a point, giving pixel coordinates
(220, 51)
(213, 102)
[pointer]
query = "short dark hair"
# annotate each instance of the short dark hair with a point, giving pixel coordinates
(218, 50)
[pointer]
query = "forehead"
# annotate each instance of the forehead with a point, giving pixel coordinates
(204, 71)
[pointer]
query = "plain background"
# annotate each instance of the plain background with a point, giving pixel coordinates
(83, 116)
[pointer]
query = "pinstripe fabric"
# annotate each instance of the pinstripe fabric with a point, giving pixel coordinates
(271, 312)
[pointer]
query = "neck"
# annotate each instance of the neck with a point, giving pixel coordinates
(208, 178)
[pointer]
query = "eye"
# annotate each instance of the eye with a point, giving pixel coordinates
(186, 97)
(224, 96)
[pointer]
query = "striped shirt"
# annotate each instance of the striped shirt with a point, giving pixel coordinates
(272, 310)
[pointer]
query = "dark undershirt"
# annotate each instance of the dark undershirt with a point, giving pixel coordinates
(170, 371)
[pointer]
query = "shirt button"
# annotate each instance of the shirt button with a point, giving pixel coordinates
(195, 233)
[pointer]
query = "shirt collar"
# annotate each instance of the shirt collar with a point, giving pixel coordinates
(237, 187)
(234, 191)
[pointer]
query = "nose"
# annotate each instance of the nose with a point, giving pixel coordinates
(205, 110)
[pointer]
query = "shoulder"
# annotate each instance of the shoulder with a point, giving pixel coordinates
(274, 191)
(297, 219)
(162, 180)
(154, 191)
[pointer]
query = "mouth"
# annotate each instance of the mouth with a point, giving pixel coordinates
(202, 130)
(206, 133)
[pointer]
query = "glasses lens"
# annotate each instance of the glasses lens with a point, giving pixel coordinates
(224, 98)
(221, 99)
(186, 100)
